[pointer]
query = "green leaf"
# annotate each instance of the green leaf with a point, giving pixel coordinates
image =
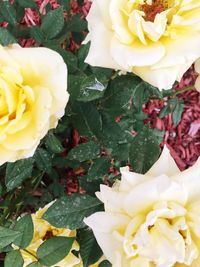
(91, 89)
(89, 249)
(91, 182)
(7, 236)
(27, 3)
(111, 130)
(83, 152)
(119, 151)
(17, 172)
(74, 85)
(37, 34)
(139, 95)
(154, 91)
(144, 150)
(165, 111)
(87, 119)
(119, 93)
(53, 143)
(65, 4)
(54, 250)
(102, 74)
(43, 160)
(34, 264)
(177, 111)
(8, 12)
(91, 186)
(105, 264)
(6, 37)
(82, 54)
(25, 226)
(77, 24)
(69, 58)
(80, 2)
(174, 106)
(1, 189)
(20, 13)
(14, 258)
(53, 23)
(69, 211)
(99, 167)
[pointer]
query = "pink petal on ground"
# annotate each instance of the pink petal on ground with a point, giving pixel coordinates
(194, 128)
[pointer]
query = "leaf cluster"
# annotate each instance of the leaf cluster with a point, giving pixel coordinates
(105, 111)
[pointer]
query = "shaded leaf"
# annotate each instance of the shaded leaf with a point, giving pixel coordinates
(105, 264)
(8, 12)
(76, 24)
(99, 167)
(53, 23)
(14, 258)
(34, 264)
(37, 34)
(17, 172)
(89, 249)
(87, 119)
(27, 3)
(6, 37)
(53, 143)
(25, 226)
(7, 236)
(43, 160)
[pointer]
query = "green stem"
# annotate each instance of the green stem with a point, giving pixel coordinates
(30, 253)
(184, 90)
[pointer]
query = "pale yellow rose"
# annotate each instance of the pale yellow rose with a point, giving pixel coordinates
(156, 39)
(33, 96)
(197, 69)
(42, 231)
(151, 220)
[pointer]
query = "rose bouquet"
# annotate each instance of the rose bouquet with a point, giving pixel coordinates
(100, 133)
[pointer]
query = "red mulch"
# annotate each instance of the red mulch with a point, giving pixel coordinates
(182, 140)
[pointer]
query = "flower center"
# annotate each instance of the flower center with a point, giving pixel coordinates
(48, 235)
(166, 226)
(151, 10)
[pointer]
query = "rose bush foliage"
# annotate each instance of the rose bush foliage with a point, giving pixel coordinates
(103, 128)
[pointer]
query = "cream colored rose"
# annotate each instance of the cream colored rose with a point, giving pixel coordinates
(156, 39)
(197, 69)
(42, 231)
(151, 220)
(33, 96)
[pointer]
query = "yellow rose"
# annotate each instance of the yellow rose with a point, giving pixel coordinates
(42, 231)
(151, 220)
(156, 39)
(33, 96)
(197, 69)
